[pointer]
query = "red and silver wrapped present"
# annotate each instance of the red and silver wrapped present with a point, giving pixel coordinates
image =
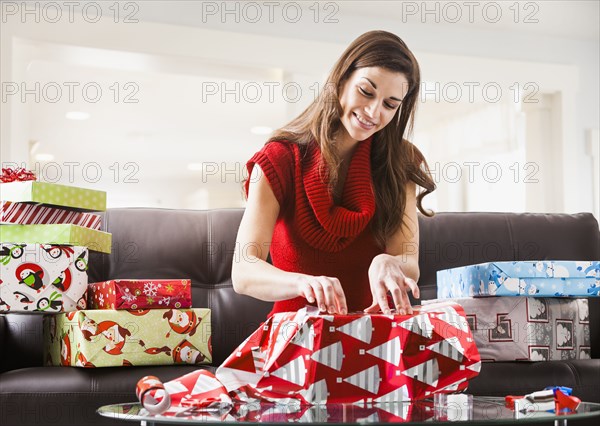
(317, 358)
(36, 214)
(306, 357)
(140, 294)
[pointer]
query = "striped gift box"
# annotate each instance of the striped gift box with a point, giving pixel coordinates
(34, 214)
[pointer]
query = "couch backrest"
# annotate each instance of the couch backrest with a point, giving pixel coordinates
(449, 240)
(195, 244)
(199, 244)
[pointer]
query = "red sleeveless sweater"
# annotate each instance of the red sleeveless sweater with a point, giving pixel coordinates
(312, 234)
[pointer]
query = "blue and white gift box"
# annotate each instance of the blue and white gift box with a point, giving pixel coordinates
(543, 278)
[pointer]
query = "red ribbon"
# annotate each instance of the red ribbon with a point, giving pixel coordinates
(16, 175)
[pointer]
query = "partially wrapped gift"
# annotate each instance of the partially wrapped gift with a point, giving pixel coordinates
(317, 358)
(305, 357)
(36, 214)
(140, 294)
(528, 328)
(543, 278)
(110, 338)
(42, 277)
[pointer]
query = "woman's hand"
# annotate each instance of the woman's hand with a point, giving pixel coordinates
(385, 274)
(326, 291)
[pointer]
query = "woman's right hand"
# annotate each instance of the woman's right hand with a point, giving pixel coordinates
(327, 292)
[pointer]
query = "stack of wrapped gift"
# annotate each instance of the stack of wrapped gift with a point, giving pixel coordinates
(527, 310)
(45, 232)
(130, 323)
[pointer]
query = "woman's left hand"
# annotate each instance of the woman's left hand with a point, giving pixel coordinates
(385, 274)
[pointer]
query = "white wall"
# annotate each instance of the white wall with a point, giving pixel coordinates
(306, 52)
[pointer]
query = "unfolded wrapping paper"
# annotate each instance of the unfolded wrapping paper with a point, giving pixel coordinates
(110, 338)
(35, 214)
(42, 278)
(528, 328)
(306, 357)
(218, 409)
(140, 294)
(541, 278)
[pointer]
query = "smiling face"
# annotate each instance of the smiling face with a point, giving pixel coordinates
(180, 318)
(369, 100)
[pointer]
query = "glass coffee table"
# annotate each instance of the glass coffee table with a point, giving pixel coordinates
(480, 410)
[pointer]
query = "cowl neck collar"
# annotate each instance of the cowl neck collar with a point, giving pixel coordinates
(322, 223)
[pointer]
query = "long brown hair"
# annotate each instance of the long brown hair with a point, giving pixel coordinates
(394, 160)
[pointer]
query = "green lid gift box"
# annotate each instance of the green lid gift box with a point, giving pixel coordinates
(57, 234)
(60, 197)
(54, 194)
(113, 338)
(42, 278)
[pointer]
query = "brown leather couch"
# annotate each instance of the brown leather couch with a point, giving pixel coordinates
(158, 243)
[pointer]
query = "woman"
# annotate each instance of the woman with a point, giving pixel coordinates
(332, 195)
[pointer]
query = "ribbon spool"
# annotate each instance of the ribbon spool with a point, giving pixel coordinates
(152, 394)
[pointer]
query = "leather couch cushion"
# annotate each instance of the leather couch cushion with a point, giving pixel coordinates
(520, 378)
(66, 395)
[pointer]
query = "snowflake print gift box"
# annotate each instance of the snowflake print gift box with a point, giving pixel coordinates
(314, 358)
(111, 338)
(140, 294)
(42, 277)
(529, 328)
(542, 278)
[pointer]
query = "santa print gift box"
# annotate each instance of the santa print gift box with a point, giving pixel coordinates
(528, 328)
(313, 358)
(42, 278)
(525, 278)
(140, 294)
(110, 338)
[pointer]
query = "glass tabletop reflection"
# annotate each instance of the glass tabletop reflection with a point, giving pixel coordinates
(475, 410)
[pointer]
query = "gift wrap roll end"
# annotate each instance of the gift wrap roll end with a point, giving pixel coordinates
(152, 395)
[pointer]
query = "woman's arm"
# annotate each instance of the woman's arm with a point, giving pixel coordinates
(397, 270)
(252, 275)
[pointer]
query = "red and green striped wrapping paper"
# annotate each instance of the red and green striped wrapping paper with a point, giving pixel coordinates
(35, 214)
